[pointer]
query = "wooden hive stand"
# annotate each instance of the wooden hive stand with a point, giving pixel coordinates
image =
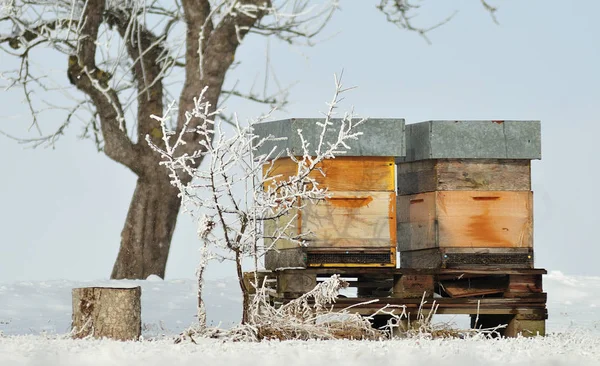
(464, 226)
(511, 298)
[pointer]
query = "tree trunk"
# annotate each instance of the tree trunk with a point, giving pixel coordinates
(107, 312)
(146, 237)
(242, 283)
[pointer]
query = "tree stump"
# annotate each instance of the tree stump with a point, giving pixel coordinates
(107, 312)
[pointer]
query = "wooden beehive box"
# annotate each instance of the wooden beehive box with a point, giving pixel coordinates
(464, 194)
(356, 225)
(463, 175)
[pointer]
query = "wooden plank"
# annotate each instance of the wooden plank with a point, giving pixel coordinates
(474, 286)
(295, 283)
(523, 309)
(416, 235)
(370, 284)
(352, 219)
(524, 295)
(455, 219)
(344, 173)
(491, 271)
(413, 286)
(465, 302)
(285, 258)
(417, 177)
(416, 208)
(485, 219)
(464, 174)
(525, 283)
(417, 226)
(483, 174)
(355, 219)
(439, 272)
(440, 311)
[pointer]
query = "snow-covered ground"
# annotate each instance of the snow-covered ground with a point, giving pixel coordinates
(574, 349)
(34, 316)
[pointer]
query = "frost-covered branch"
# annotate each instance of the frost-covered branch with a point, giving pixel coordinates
(309, 316)
(231, 198)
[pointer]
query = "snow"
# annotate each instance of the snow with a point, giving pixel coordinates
(35, 316)
(574, 348)
(167, 306)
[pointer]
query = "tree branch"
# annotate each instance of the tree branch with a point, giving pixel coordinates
(398, 12)
(145, 50)
(87, 77)
(210, 52)
(491, 9)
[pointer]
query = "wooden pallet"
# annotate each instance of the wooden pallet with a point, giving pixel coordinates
(492, 295)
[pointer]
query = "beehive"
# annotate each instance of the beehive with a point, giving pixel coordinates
(356, 225)
(464, 194)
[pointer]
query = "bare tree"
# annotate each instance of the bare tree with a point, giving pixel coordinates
(121, 60)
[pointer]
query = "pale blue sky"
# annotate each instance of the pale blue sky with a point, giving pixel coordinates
(62, 210)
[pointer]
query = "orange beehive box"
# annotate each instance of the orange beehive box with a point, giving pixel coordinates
(465, 219)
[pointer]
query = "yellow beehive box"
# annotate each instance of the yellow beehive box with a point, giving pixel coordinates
(354, 226)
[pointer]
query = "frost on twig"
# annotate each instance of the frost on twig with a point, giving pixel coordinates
(310, 316)
(127, 52)
(235, 193)
(402, 324)
(307, 317)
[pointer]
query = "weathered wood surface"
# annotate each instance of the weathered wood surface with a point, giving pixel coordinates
(517, 299)
(467, 219)
(475, 286)
(352, 219)
(525, 283)
(445, 272)
(525, 326)
(465, 305)
(464, 258)
(360, 214)
(465, 285)
(464, 174)
(343, 173)
(285, 258)
(295, 283)
(485, 219)
(107, 312)
(413, 286)
(347, 221)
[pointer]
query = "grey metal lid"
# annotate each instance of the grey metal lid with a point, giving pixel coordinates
(473, 140)
(381, 136)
